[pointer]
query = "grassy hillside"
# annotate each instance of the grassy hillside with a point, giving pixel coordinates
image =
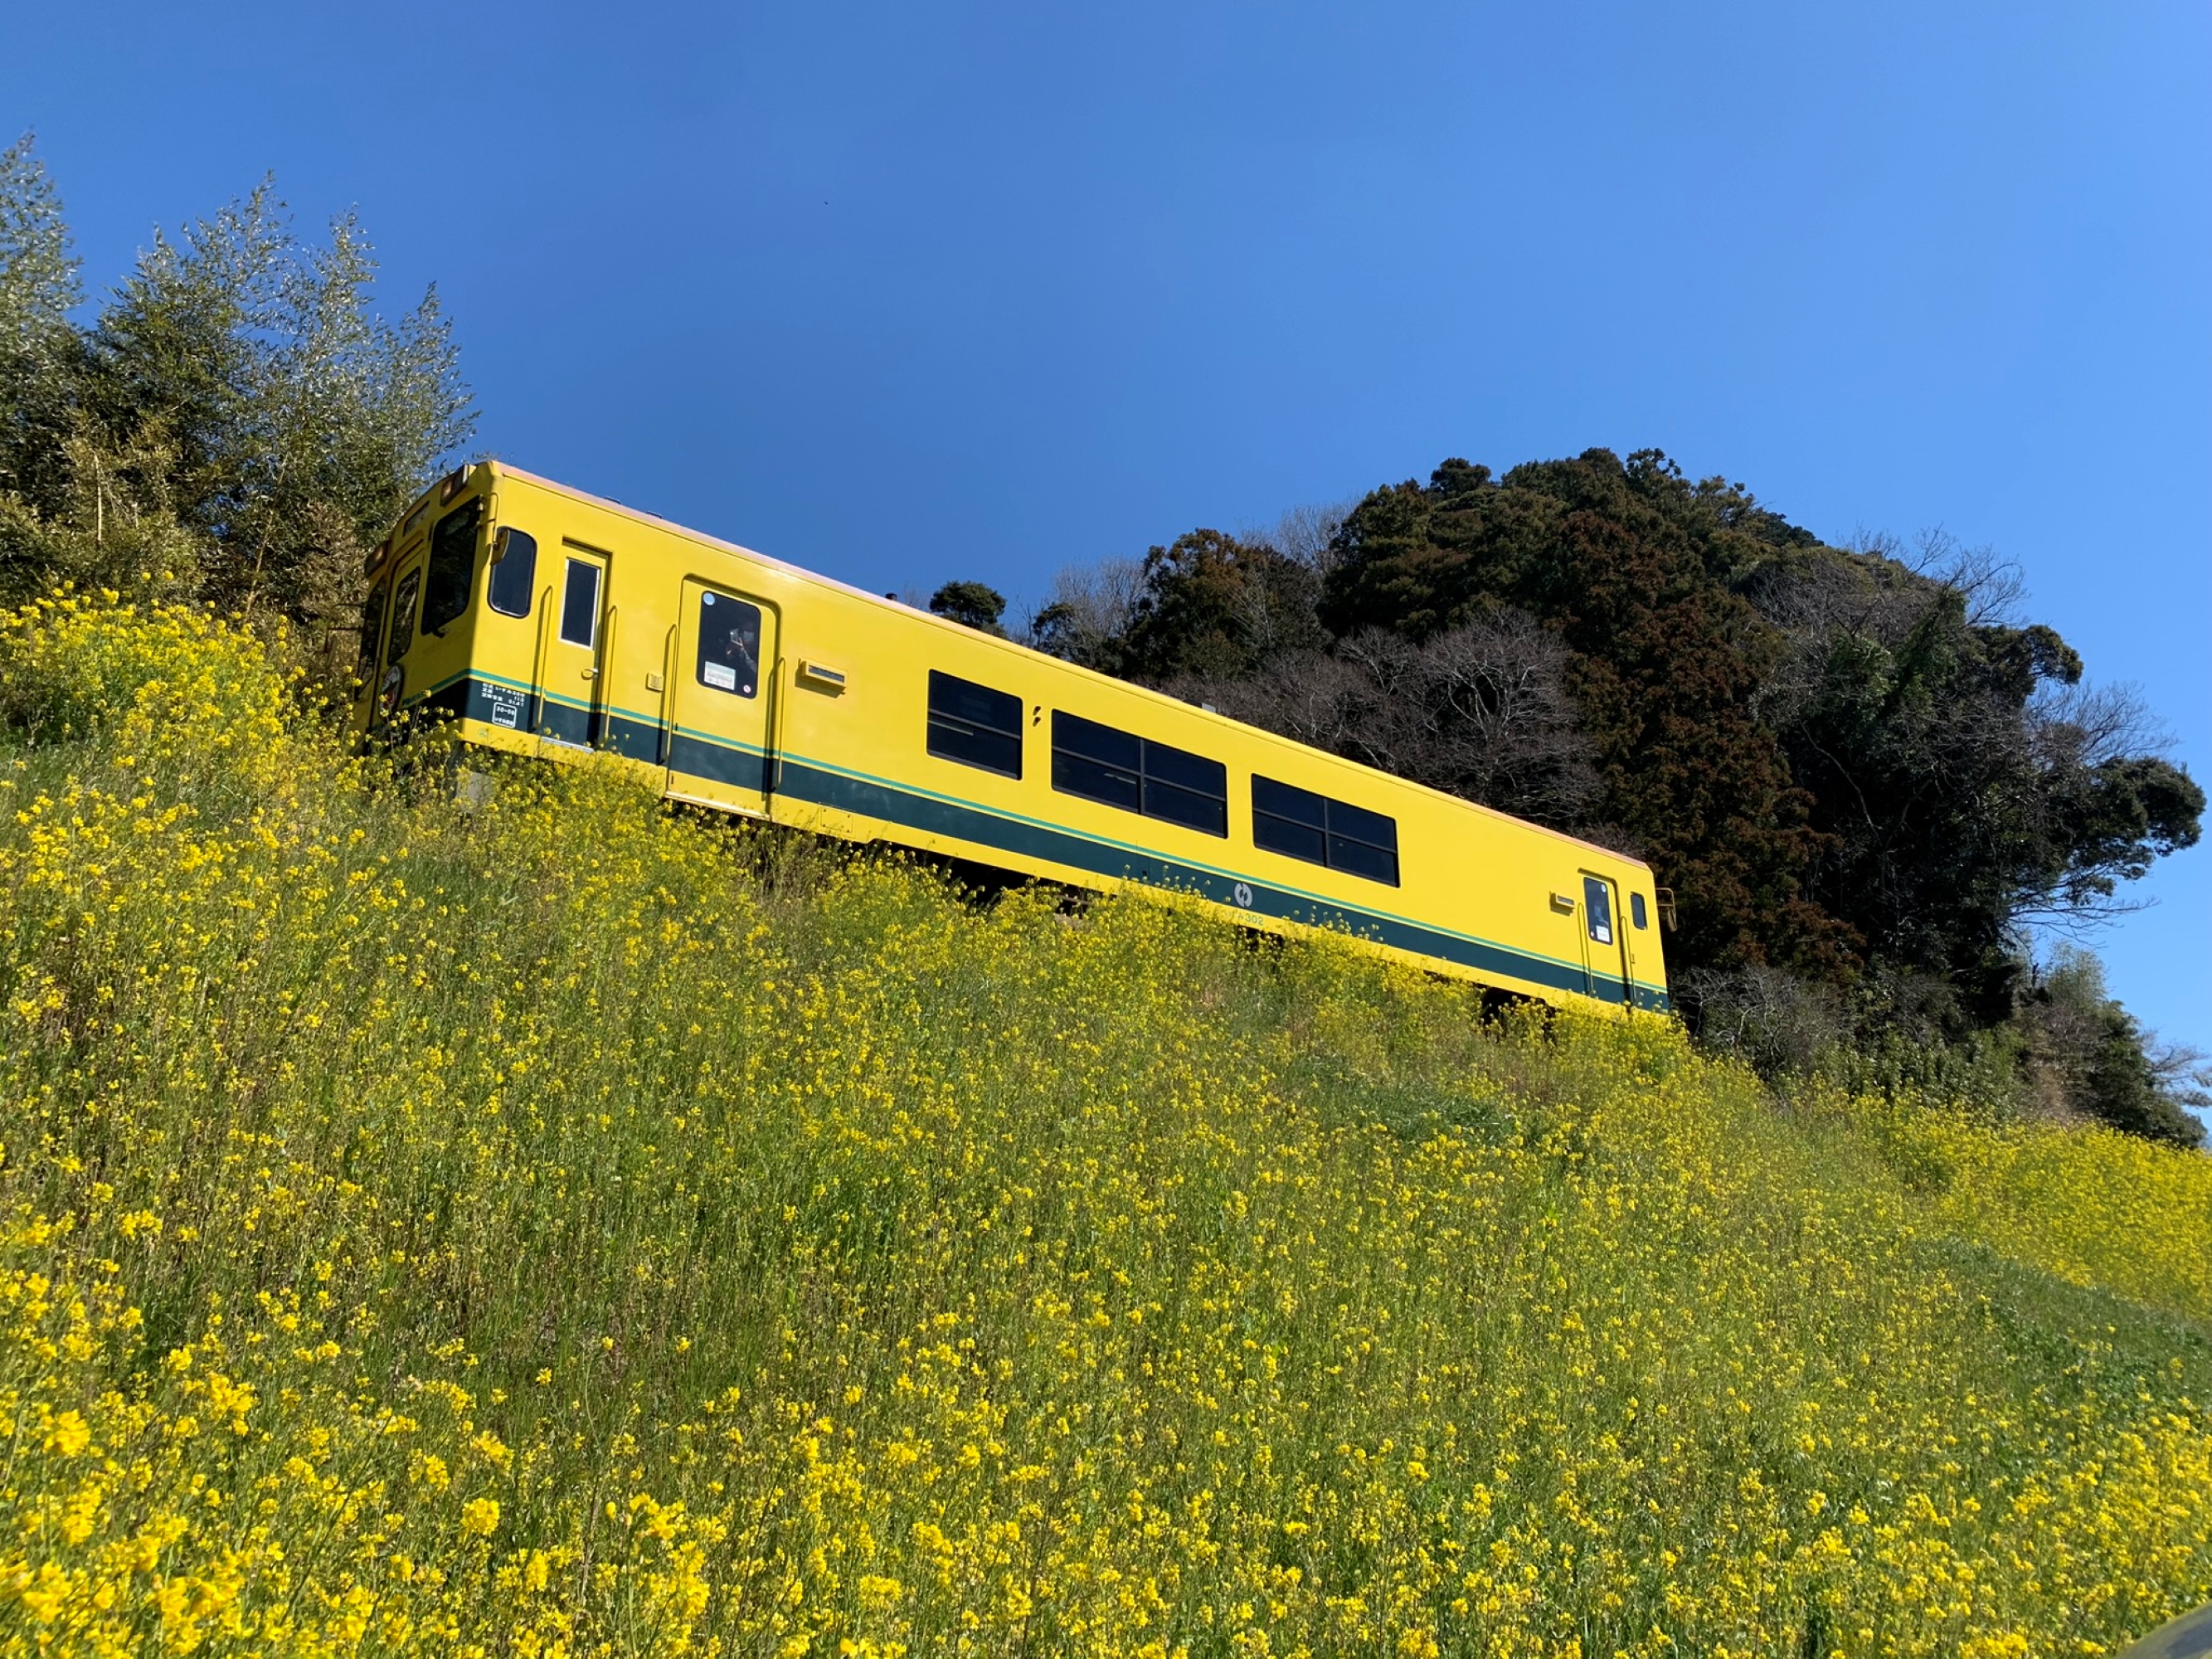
(545, 1226)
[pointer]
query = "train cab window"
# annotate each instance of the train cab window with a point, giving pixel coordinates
(372, 625)
(453, 566)
(403, 616)
(1120, 768)
(514, 572)
(1636, 911)
(1597, 909)
(975, 725)
(1301, 824)
(580, 604)
(729, 644)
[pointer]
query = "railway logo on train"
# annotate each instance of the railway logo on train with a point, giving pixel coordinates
(543, 621)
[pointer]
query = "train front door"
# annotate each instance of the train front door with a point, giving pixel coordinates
(721, 699)
(391, 683)
(572, 679)
(1605, 952)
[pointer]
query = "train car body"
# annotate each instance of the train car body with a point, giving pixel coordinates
(543, 621)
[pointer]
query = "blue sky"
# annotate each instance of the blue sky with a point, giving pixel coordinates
(910, 294)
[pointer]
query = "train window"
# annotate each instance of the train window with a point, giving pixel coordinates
(975, 725)
(1120, 768)
(403, 616)
(372, 624)
(453, 566)
(729, 644)
(1186, 789)
(580, 604)
(1363, 842)
(1292, 822)
(1597, 908)
(1301, 824)
(1636, 912)
(514, 572)
(1097, 762)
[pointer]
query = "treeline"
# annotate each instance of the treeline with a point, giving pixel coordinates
(234, 423)
(1865, 779)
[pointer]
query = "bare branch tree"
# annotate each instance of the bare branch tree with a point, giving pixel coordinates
(1086, 611)
(1481, 711)
(1307, 534)
(2083, 725)
(1994, 587)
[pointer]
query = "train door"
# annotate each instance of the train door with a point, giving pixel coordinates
(721, 699)
(371, 661)
(1605, 952)
(572, 678)
(399, 634)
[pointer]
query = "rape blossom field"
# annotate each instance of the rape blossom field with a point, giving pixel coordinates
(534, 1223)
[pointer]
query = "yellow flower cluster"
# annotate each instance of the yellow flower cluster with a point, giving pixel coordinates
(532, 1222)
(2094, 1206)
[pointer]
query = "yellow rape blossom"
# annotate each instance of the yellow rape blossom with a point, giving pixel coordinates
(480, 1516)
(569, 1227)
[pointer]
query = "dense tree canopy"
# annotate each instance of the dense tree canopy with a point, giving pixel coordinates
(1636, 571)
(1215, 605)
(1963, 780)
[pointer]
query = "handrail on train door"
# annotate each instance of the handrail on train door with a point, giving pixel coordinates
(772, 762)
(667, 744)
(602, 671)
(538, 665)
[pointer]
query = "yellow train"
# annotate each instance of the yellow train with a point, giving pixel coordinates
(547, 622)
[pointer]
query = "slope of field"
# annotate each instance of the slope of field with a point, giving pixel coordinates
(535, 1224)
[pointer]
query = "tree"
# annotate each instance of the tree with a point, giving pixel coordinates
(1634, 568)
(38, 282)
(236, 424)
(39, 287)
(1963, 780)
(1215, 605)
(1481, 710)
(301, 422)
(1088, 613)
(2099, 1060)
(972, 605)
(106, 521)
(74, 505)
